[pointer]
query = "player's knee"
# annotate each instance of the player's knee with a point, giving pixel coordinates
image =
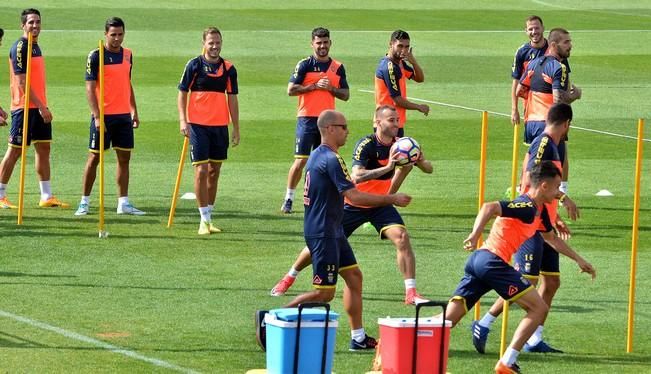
(402, 241)
(353, 278)
(551, 283)
(325, 295)
(299, 163)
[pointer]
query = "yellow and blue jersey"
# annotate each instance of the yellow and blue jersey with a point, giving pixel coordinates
(527, 53)
(543, 75)
(208, 84)
(326, 179)
(309, 71)
(542, 149)
(370, 153)
(117, 79)
(519, 221)
(390, 82)
(18, 66)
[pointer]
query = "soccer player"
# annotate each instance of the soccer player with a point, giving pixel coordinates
(3, 114)
(372, 172)
(488, 267)
(534, 48)
(391, 76)
(317, 80)
(207, 103)
(120, 114)
(546, 81)
(327, 184)
(40, 117)
(536, 258)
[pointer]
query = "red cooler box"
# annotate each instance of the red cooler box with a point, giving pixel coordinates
(397, 345)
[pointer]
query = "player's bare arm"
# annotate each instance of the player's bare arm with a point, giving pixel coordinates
(358, 197)
(361, 174)
(92, 101)
(567, 96)
(419, 75)
(3, 117)
(182, 103)
(424, 164)
(134, 110)
(294, 89)
(559, 245)
(487, 212)
(570, 206)
(515, 112)
(234, 110)
(404, 103)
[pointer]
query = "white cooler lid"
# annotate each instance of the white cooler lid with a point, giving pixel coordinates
(410, 322)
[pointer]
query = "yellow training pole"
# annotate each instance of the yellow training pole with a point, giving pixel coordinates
(514, 181)
(636, 222)
(100, 99)
(482, 182)
(23, 148)
(177, 184)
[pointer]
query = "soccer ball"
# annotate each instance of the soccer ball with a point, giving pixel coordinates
(408, 150)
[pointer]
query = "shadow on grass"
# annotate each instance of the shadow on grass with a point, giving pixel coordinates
(12, 341)
(614, 209)
(133, 287)
(14, 274)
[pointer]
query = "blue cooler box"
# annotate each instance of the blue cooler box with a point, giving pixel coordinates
(281, 340)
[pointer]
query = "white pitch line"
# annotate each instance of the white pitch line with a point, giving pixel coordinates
(95, 342)
(509, 116)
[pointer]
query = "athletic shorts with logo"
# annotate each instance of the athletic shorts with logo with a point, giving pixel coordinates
(329, 257)
(118, 134)
(38, 130)
(208, 143)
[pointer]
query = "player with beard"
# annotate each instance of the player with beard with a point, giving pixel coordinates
(317, 81)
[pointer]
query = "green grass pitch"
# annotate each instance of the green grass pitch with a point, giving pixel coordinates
(180, 302)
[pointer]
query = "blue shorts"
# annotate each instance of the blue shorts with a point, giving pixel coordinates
(119, 133)
(532, 129)
(381, 218)
(529, 256)
(329, 257)
(208, 143)
(550, 264)
(38, 130)
(308, 136)
(486, 271)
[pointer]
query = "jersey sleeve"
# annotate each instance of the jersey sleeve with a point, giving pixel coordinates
(18, 57)
(409, 71)
(545, 220)
(391, 75)
(518, 65)
(361, 153)
(231, 84)
(92, 65)
(298, 76)
(188, 75)
(524, 211)
(338, 173)
(560, 80)
(341, 72)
